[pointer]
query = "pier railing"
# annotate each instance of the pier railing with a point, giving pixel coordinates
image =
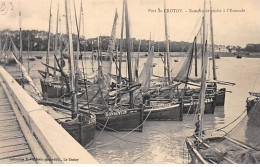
(57, 144)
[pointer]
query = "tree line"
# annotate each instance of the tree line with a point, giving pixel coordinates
(38, 41)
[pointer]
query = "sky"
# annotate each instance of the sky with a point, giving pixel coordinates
(230, 28)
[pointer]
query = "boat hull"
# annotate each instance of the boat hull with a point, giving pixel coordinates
(172, 112)
(38, 57)
(196, 157)
(82, 132)
(131, 121)
(52, 90)
(190, 108)
(253, 111)
(220, 97)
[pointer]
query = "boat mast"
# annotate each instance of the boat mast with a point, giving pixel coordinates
(48, 47)
(121, 46)
(56, 43)
(203, 79)
(76, 58)
(28, 53)
(21, 42)
(196, 57)
(1, 51)
(167, 46)
(212, 44)
(72, 65)
(137, 60)
(92, 56)
(129, 54)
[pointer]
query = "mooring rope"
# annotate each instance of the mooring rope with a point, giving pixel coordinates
(125, 134)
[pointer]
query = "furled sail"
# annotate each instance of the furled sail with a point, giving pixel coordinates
(185, 70)
(145, 77)
(107, 65)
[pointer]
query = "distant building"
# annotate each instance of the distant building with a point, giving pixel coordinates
(221, 48)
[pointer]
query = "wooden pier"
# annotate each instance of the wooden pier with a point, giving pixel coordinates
(28, 134)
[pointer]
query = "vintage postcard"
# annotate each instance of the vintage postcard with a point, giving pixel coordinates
(129, 82)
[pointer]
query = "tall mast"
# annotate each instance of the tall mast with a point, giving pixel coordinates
(77, 56)
(196, 58)
(129, 55)
(72, 65)
(121, 45)
(21, 42)
(48, 47)
(137, 61)
(167, 46)
(56, 43)
(203, 78)
(92, 56)
(212, 44)
(1, 51)
(28, 53)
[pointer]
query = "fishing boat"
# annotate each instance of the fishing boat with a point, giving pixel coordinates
(239, 56)
(231, 148)
(166, 109)
(5, 53)
(38, 57)
(82, 125)
(218, 146)
(115, 117)
(53, 85)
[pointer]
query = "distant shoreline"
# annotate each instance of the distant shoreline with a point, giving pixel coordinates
(173, 54)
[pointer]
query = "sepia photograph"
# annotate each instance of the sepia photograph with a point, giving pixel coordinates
(129, 82)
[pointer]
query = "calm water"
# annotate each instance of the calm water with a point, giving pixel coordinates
(164, 142)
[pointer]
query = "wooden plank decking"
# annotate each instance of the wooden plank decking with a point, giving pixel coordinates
(13, 145)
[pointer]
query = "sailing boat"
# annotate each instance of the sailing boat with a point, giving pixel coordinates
(126, 117)
(223, 147)
(156, 108)
(6, 57)
(52, 86)
(82, 124)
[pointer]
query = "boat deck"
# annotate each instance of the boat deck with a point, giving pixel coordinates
(13, 145)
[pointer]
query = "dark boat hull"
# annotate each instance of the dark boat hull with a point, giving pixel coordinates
(253, 111)
(220, 97)
(172, 112)
(8, 62)
(190, 108)
(131, 121)
(51, 90)
(82, 132)
(38, 57)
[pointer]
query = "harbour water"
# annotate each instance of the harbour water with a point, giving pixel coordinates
(164, 141)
